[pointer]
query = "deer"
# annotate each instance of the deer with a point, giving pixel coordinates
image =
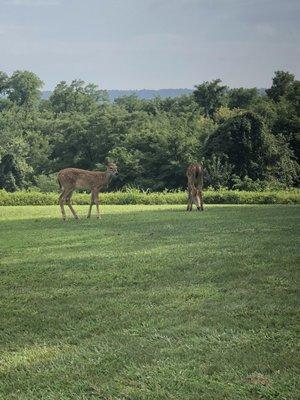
(70, 179)
(194, 175)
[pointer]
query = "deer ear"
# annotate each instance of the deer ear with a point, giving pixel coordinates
(107, 161)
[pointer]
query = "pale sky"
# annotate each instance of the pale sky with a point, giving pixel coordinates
(152, 44)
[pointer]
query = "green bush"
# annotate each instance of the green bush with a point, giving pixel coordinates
(134, 196)
(46, 183)
(248, 184)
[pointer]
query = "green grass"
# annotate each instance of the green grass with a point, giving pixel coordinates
(151, 302)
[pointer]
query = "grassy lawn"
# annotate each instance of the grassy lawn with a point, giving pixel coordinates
(150, 302)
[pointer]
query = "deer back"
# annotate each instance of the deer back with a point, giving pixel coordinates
(194, 174)
(81, 178)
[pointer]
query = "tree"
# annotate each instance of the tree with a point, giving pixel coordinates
(210, 96)
(242, 98)
(13, 151)
(183, 104)
(152, 141)
(3, 83)
(156, 149)
(266, 109)
(283, 116)
(293, 96)
(225, 113)
(130, 103)
(83, 139)
(77, 96)
(282, 83)
(24, 88)
(219, 171)
(251, 150)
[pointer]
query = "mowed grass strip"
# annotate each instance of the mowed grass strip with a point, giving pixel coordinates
(151, 302)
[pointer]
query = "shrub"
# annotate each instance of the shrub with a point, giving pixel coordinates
(135, 196)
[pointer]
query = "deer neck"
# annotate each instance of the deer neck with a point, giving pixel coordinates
(107, 177)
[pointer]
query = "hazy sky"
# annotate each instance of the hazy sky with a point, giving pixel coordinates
(134, 44)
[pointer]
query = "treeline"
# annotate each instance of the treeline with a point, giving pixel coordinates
(247, 140)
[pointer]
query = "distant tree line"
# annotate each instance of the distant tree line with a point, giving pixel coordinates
(246, 139)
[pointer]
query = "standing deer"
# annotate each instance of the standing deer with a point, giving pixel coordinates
(71, 178)
(194, 175)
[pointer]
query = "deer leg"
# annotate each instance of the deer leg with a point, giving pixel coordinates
(197, 202)
(96, 201)
(91, 205)
(189, 200)
(201, 199)
(190, 203)
(68, 201)
(62, 200)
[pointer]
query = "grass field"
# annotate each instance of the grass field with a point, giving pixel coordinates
(150, 302)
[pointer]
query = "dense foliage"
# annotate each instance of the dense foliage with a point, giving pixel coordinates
(247, 139)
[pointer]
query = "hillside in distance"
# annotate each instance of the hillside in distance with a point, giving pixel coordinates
(148, 93)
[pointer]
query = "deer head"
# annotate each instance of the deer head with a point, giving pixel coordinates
(112, 169)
